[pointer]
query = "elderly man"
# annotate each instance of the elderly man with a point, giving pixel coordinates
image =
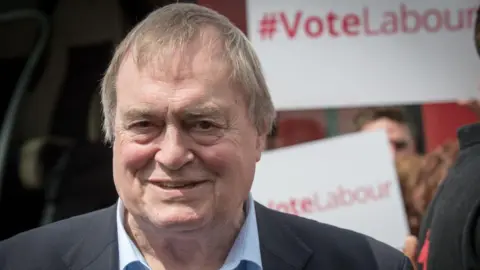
(187, 110)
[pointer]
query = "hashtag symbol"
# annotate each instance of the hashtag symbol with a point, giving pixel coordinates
(268, 26)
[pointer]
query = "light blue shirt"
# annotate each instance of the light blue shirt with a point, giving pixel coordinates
(244, 255)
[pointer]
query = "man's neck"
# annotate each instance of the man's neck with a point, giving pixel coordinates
(163, 250)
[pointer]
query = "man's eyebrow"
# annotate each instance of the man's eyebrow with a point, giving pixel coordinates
(137, 113)
(132, 114)
(202, 111)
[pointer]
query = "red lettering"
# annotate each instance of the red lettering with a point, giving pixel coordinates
(271, 204)
(366, 24)
(307, 206)
(332, 18)
(471, 15)
(361, 195)
(432, 15)
(390, 25)
(350, 24)
(407, 16)
(324, 207)
(293, 206)
(313, 27)
(342, 197)
(384, 189)
(459, 23)
(291, 29)
(283, 207)
(332, 202)
(402, 20)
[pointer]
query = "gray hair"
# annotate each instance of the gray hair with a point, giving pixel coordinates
(172, 28)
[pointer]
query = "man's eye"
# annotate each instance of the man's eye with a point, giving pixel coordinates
(141, 125)
(204, 125)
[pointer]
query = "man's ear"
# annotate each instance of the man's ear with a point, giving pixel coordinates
(261, 145)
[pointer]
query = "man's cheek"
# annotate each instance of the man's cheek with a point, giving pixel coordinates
(135, 156)
(218, 159)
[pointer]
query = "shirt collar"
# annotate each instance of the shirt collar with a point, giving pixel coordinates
(247, 244)
(128, 253)
(245, 248)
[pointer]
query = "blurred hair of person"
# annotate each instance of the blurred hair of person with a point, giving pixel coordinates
(394, 122)
(408, 171)
(419, 178)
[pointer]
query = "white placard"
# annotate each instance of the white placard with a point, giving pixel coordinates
(358, 53)
(347, 181)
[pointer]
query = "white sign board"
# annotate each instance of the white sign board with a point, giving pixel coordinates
(361, 53)
(347, 181)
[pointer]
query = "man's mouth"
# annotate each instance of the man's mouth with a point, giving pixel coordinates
(180, 185)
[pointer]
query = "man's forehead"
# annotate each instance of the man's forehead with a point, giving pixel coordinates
(195, 96)
(203, 56)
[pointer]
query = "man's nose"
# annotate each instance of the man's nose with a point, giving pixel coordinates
(173, 152)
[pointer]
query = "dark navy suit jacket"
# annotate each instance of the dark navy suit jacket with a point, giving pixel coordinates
(287, 242)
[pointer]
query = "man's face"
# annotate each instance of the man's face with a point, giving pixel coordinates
(399, 135)
(185, 150)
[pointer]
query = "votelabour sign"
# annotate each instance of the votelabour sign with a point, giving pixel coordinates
(348, 181)
(333, 199)
(348, 53)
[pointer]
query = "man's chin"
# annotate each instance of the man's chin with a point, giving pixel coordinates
(180, 220)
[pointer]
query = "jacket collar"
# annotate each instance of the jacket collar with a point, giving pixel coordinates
(97, 247)
(281, 249)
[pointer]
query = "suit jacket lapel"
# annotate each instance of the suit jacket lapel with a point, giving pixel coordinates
(281, 249)
(108, 259)
(97, 247)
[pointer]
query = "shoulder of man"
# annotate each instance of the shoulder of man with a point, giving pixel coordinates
(451, 218)
(45, 247)
(351, 250)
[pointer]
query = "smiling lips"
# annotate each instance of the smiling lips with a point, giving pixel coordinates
(179, 184)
